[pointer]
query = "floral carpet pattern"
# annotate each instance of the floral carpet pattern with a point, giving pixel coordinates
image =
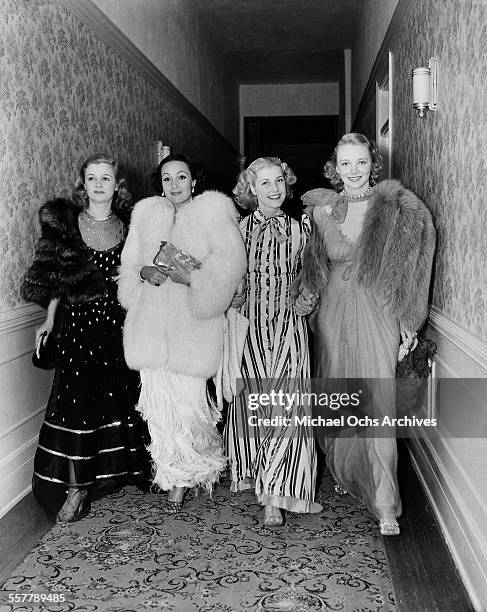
(126, 555)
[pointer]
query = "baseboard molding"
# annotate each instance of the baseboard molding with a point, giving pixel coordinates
(20, 317)
(25, 390)
(444, 466)
(460, 535)
(17, 482)
(463, 340)
(14, 343)
(14, 501)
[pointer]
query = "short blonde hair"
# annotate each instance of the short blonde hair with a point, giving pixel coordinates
(243, 194)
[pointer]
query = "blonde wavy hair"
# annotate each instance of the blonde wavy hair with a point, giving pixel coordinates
(242, 190)
(330, 168)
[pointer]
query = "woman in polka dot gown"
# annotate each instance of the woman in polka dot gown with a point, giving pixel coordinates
(91, 431)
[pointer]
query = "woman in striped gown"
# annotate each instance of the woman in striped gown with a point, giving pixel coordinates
(276, 456)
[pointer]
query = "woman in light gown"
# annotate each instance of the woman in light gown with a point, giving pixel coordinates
(371, 260)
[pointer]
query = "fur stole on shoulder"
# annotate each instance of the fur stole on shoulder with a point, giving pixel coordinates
(62, 266)
(394, 253)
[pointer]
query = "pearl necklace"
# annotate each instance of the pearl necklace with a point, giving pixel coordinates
(352, 196)
(98, 218)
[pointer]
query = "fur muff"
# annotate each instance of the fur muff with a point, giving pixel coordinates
(394, 252)
(62, 266)
(174, 326)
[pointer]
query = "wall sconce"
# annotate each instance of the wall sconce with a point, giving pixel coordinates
(162, 151)
(425, 87)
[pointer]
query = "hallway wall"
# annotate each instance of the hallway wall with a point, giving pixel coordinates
(67, 92)
(174, 36)
(373, 20)
(442, 158)
(280, 99)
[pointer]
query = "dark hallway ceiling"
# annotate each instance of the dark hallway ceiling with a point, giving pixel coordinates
(282, 41)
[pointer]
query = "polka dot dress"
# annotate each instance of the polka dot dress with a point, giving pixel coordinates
(90, 419)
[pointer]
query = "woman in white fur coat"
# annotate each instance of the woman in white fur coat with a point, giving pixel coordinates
(174, 326)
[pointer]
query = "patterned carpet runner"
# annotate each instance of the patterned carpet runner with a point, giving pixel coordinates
(215, 555)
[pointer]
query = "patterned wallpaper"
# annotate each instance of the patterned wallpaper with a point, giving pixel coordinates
(442, 157)
(64, 94)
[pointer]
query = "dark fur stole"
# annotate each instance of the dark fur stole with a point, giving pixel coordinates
(394, 253)
(62, 266)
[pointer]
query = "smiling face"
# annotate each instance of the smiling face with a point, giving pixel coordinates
(177, 183)
(100, 183)
(354, 165)
(270, 189)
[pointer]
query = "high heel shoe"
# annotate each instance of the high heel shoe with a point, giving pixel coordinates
(273, 517)
(75, 507)
(340, 490)
(389, 527)
(174, 506)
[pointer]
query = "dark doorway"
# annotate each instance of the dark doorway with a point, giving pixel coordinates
(304, 142)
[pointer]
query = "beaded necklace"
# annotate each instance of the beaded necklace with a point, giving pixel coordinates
(100, 234)
(351, 196)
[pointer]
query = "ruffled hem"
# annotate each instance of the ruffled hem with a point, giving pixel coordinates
(186, 448)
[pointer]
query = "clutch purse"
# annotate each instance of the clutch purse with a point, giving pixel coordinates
(45, 357)
(411, 374)
(168, 254)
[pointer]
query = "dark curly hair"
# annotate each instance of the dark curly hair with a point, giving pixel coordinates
(330, 168)
(122, 199)
(196, 172)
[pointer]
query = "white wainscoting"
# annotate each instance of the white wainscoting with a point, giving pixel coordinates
(454, 470)
(24, 391)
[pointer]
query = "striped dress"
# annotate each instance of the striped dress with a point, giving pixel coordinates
(279, 459)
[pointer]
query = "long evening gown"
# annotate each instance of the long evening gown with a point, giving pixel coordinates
(355, 338)
(280, 461)
(90, 418)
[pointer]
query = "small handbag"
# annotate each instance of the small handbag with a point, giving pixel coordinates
(49, 350)
(411, 372)
(168, 254)
(46, 356)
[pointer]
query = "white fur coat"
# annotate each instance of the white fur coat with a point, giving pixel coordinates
(174, 326)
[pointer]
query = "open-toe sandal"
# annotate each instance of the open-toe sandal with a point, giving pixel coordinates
(172, 506)
(273, 517)
(76, 509)
(389, 527)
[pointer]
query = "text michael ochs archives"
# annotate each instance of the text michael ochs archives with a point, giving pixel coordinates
(332, 401)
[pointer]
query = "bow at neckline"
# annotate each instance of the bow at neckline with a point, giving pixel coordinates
(276, 224)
